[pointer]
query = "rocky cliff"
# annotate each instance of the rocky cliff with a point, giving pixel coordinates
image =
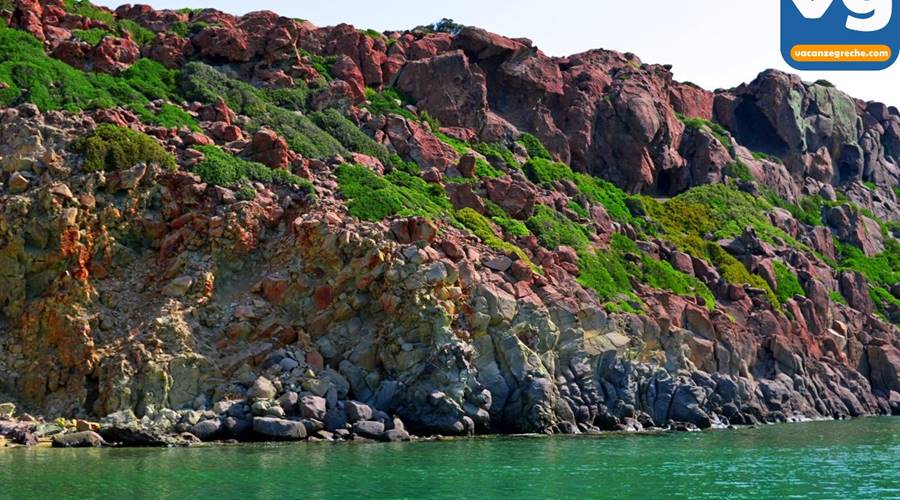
(251, 226)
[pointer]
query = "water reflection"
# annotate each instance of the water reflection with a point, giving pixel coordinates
(825, 459)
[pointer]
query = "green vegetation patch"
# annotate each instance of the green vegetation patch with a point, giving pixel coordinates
(534, 146)
(554, 229)
(224, 169)
(480, 226)
(50, 84)
(373, 198)
(169, 116)
(610, 273)
(501, 218)
(882, 270)
(696, 219)
(111, 148)
(91, 36)
(85, 8)
(738, 170)
(322, 64)
(717, 130)
(206, 84)
(788, 286)
(496, 152)
(349, 135)
(388, 101)
(545, 172)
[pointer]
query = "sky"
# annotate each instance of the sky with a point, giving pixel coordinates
(713, 43)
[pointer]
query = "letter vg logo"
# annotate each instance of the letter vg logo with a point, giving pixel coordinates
(840, 34)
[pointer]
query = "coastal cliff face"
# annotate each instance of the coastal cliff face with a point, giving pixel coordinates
(232, 225)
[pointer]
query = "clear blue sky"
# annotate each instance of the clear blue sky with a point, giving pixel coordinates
(714, 43)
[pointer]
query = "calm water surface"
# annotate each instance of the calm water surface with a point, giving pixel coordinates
(852, 459)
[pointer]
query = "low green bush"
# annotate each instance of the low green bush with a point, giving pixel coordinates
(169, 116)
(554, 229)
(788, 286)
(85, 8)
(576, 206)
(738, 170)
(301, 134)
(374, 198)
(141, 35)
(717, 130)
(294, 98)
(206, 84)
(497, 152)
(111, 148)
(534, 146)
(50, 84)
(387, 102)
(349, 135)
(545, 172)
(508, 224)
(480, 226)
(91, 36)
(322, 64)
(765, 156)
(224, 169)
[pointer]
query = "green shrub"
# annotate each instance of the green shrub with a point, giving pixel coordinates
(294, 98)
(576, 206)
(179, 28)
(141, 35)
(764, 156)
(554, 229)
(534, 146)
(433, 123)
(224, 169)
(596, 190)
(871, 186)
(86, 9)
(788, 284)
(606, 274)
(837, 298)
(388, 101)
(246, 193)
(169, 116)
(321, 64)
(483, 169)
(480, 226)
(717, 130)
(461, 147)
(206, 84)
(733, 271)
(374, 198)
(32, 76)
(738, 170)
(501, 218)
(349, 135)
(111, 148)
(301, 134)
(92, 36)
(497, 152)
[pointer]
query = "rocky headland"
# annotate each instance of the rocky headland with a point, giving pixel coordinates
(252, 228)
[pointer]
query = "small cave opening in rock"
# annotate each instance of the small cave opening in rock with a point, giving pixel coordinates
(665, 182)
(92, 387)
(756, 132)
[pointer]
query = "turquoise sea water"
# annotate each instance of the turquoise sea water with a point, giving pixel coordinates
(850, 459)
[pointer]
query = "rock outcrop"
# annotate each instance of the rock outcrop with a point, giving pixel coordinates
(462, 277)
